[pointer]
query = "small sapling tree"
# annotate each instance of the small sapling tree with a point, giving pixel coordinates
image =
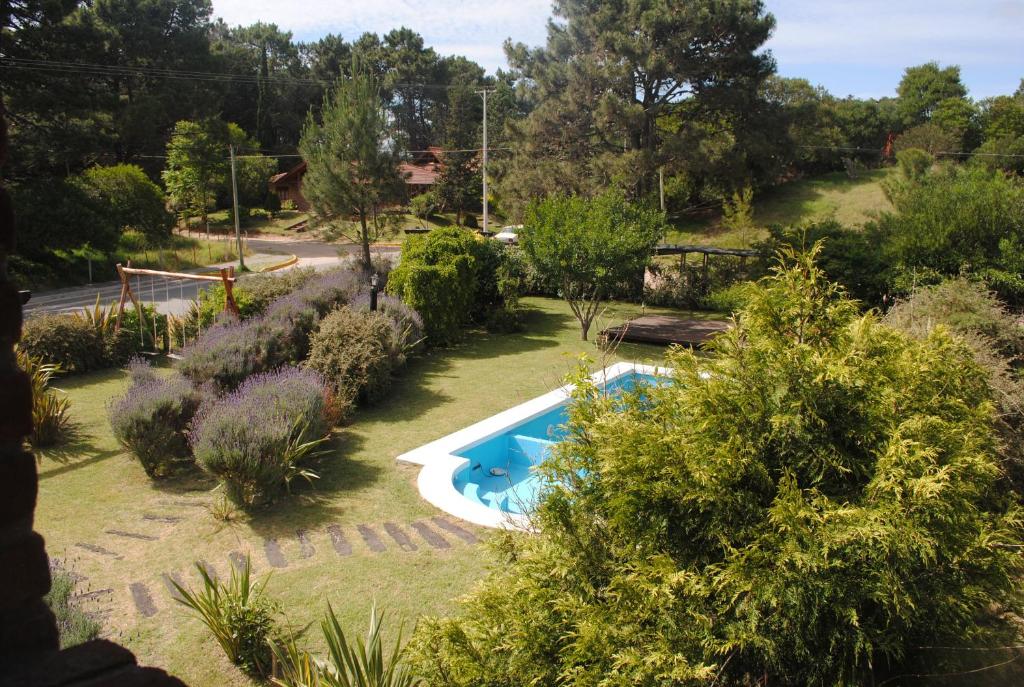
(589, 247)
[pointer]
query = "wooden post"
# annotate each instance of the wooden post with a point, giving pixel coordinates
(125, 288)
(704, 274)
(227, 275)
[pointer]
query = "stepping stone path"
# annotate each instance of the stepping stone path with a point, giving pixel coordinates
(274, 555)
(98, 549)
(370, 537)
(170, 519)
(463, 534)
(131, 535)
(169, 581)
(142, 598)
(430, 536)
(306, 549)
(341, 545)
(400, 537)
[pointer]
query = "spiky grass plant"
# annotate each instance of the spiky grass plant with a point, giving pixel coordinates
(238, 614)
(364, 663)
(51, 417)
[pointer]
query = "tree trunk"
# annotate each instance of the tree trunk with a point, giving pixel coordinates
(584, 329)
(364, 235)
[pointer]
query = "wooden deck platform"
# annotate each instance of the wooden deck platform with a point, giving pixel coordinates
(661, 329)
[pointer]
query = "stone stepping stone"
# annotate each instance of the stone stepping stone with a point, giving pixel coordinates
(169, 581)
(210, 570)
(450, 527)
(370, 537)
(338, 540)
(306, 549)
(94, 594)
(185, 502)
(98, 549)
(143, 599)
(238, 559)
(430, 536)
(169, 519)
(400, 537)
(131, 535)
(274, 555)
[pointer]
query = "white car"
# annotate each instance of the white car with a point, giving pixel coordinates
(509, 235)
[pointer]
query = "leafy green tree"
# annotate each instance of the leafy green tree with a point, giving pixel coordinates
(60, 215)
(352, 160)
(130, 200)
(197, 166)
(922, 88)
(929, 137)
(813, 501)
(959, 117)
(590, 247)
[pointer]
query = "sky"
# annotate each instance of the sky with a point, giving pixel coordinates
(851, 47)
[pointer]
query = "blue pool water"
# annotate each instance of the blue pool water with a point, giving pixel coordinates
(517, 451)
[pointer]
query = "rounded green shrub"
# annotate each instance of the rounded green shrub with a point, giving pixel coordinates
(357, 352)
(65, 340)
(151, 420)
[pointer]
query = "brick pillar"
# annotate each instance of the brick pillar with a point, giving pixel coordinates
(28, 632)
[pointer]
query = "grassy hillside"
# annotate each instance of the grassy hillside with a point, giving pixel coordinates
(850, 201)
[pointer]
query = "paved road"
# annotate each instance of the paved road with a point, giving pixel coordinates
(173, 296)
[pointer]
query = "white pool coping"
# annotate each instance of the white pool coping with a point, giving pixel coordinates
(441, 465)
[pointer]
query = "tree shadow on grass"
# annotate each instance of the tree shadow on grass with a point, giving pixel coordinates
(76, 452)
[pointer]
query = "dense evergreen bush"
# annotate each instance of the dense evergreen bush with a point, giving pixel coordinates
(437, 278)
(152, 418)
(996, 339)
(955, 220)
(451, 277)
(356, 352)
(406, 323)
(813, 502)
(65, 340)
(257, 438)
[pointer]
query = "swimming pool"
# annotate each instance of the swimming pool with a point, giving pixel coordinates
(484, 473)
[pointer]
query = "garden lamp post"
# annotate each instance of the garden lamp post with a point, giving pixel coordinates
(373, 292)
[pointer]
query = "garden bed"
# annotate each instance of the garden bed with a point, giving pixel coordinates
(360, 534)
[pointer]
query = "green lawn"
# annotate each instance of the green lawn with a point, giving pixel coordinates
(850, 201)
(281, 224)
(92, 487)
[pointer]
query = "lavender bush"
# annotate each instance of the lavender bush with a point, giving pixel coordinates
(152, 418)
(256, 438)
(230, 351)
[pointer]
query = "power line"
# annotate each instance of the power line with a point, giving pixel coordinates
(103, 70)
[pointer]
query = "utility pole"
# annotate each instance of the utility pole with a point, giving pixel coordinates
(234, 195)
(486, 221)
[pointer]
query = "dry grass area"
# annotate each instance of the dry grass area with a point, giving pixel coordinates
(851, 202)
(92, 493)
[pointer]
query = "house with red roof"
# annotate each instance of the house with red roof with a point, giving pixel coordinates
(420, 174)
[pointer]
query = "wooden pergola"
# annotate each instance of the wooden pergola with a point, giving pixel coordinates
(705, 251)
